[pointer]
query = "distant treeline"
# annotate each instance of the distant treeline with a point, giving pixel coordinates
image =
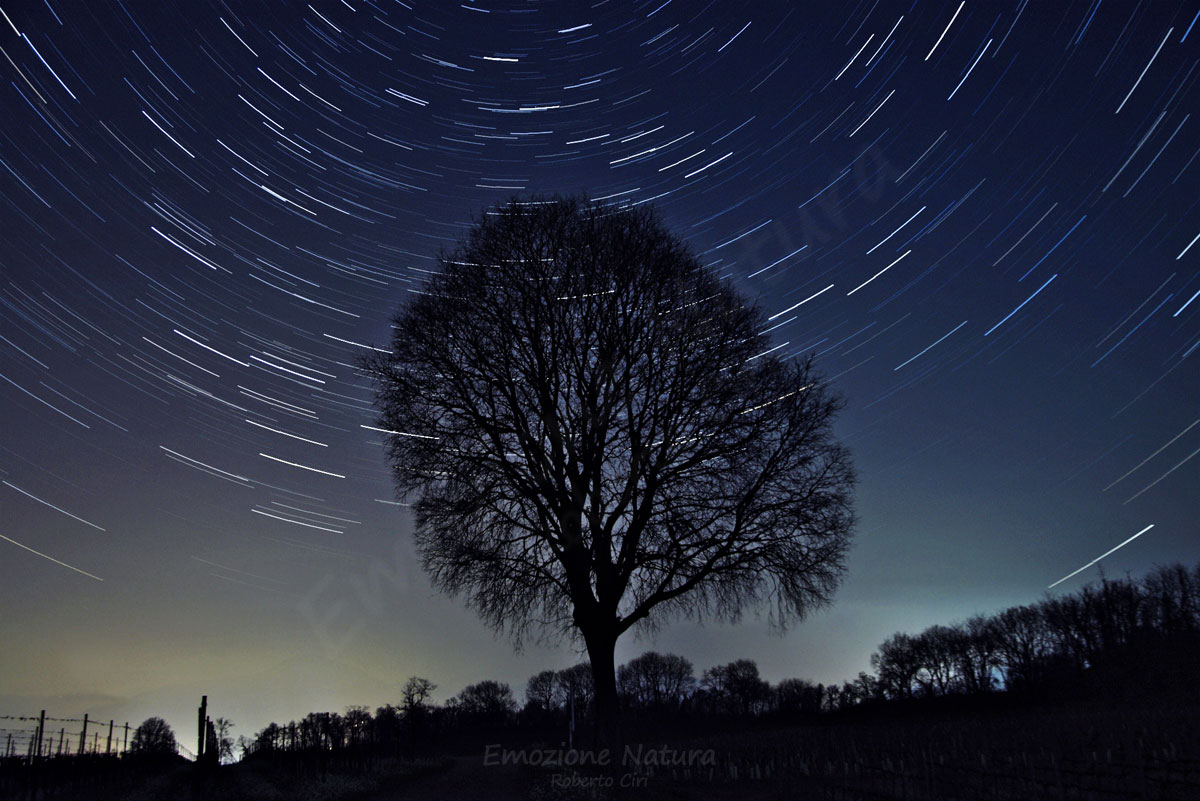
(1115, 636)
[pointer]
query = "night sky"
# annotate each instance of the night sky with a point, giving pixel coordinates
(982, 217)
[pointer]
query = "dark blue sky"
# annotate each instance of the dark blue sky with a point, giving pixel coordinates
(982, 216)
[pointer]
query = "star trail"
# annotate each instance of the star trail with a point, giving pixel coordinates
(982, 216)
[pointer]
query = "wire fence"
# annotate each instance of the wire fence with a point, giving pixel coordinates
(47, 737)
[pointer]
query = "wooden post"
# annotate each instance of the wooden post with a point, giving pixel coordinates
(203, 718)
(62, 733)
(40, 733)
(83, 734)
(108, 742)
(125, 746)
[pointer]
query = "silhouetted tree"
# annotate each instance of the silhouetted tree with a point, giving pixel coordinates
(223, 728)
(415, 705)
(978, 654)
(1172, 596)
(487, 702)
(153, 737)
(597, 435)
(1022, 646)
(573, 686)
(736, 687)
(539, 691)
(656, 681)
(866, 688)
(797, 697)
(357, 723)
(897, 664)
(387, 725)
(936, 649)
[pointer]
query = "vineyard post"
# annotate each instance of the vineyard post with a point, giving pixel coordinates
(62, 733)
(125, 745)
(83, 735)
(108, 742)
(40, 733)
(203, 717)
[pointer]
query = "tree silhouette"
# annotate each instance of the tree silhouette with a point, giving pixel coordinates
(153, 737)
(487, 702)
(597, 435)
(656, 681)
(417, 691)
(539, 691)
(736, 688)
(224, 731)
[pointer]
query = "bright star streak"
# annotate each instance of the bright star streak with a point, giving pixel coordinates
(52, 506)
(1101, 556)
(1014, 311)
(801, 303)
(51, 558)
(922, 353)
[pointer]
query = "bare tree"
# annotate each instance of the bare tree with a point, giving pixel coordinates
(898, 663)
(223, 728)
(798, 697)
(574, 688)
(656, 681)
(1023, 645)
(596, 435)
(153, 737)
(488, 701)
(417, 691)
(539, 691)
(737, 688)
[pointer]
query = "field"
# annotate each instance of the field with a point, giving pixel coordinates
(1080, 752)
(1095, 752)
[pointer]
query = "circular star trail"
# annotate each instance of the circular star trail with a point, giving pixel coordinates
(982, 217)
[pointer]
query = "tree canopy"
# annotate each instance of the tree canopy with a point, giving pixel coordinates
(153, 737)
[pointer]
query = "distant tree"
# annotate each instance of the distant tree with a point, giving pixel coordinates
(798, 697)
(1073, 642)
(1022, 646)
(245, 746)
(153, 737)
(573, 688)
(323, 731)
(539, 691)
(387, 724)
(897, 665)
(866, 688)
(597, 435)
(936, 649)
(416, 694)
(488, 702)
(223, 728)
(357, 722)
(270, 739)
(847, 696)
(737, 687)
(656, 681)
(1172, 602)
(978, 654)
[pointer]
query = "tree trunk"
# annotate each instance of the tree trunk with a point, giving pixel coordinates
(601, 647)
